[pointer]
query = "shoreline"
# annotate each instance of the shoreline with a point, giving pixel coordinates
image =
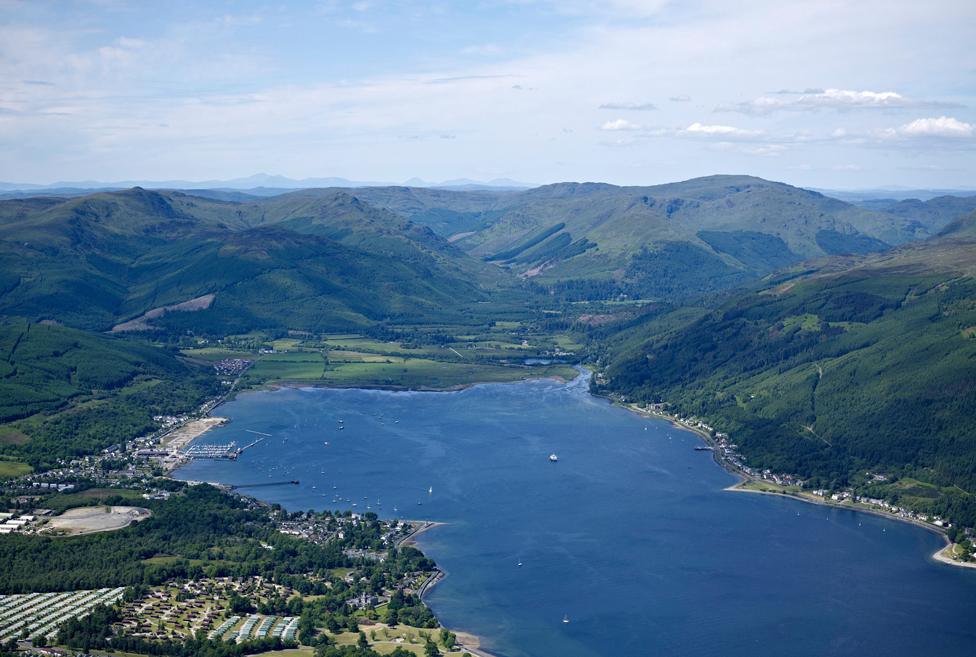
(738, 487)
(425, 526)
(281, 385)
(471, 643)
(466, 641)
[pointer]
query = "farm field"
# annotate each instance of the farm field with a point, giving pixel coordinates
(12, 469)
(498, 354)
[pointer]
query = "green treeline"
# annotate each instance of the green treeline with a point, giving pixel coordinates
(202, 533)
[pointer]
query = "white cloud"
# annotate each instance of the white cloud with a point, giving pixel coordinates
(637, 107)
(768, 150)
(620, 124)
(235, 105)
(697, 128)
(943, 126)
(835, 99)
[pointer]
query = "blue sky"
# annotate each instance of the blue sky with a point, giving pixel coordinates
(827, 93)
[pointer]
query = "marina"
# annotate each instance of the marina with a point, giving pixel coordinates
(220, 451)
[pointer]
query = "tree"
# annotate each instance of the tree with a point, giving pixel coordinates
(430, 650)
(362, 643)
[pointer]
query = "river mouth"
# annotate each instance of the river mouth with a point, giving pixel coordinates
(628, 535)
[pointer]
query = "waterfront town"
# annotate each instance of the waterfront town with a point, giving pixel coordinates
(727, 454)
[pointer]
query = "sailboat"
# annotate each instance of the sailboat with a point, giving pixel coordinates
(565, 618)
(430, 491)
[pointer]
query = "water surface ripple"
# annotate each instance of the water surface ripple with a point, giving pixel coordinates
(629, 535)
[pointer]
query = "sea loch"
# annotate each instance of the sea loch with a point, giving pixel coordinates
(629, 536)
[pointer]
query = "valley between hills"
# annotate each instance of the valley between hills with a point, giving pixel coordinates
(825, 348)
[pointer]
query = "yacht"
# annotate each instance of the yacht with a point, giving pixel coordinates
(553, 458)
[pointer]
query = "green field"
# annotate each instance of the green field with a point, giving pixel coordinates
(300, 366)
(384, 640)
(363, 369)
(11, 469)
(64, 501)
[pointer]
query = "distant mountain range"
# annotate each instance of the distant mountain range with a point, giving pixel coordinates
(343, 258)
(891, 193)
(665, 241)
(260, 181)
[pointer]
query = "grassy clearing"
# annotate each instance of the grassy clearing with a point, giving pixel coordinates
(385, 640)
(770, 487)
(289, 366)
(12, 436)
(11, 469)
(566, 343)
(286, 344)
(65, 501)
(215, 353)
(361, 344)
(358, 361)
(425, 373)
(338, 356)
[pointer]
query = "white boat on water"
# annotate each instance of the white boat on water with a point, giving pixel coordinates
(553, 458)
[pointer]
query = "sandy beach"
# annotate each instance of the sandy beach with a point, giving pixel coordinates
(182, 436)
(470, 643)
(943, 557)
(420, 526)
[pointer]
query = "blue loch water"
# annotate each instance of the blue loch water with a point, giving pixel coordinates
(630, 534)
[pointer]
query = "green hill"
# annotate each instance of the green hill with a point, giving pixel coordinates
(831, 371)
(65, 392)
(672, 240)
(322, 261)
(594, 240)
(448, 212)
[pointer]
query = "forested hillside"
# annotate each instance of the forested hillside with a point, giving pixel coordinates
(291, 261)
(598, 241)
(65, 392)
(830, 372)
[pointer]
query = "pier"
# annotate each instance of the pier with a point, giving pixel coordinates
(291, 482)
